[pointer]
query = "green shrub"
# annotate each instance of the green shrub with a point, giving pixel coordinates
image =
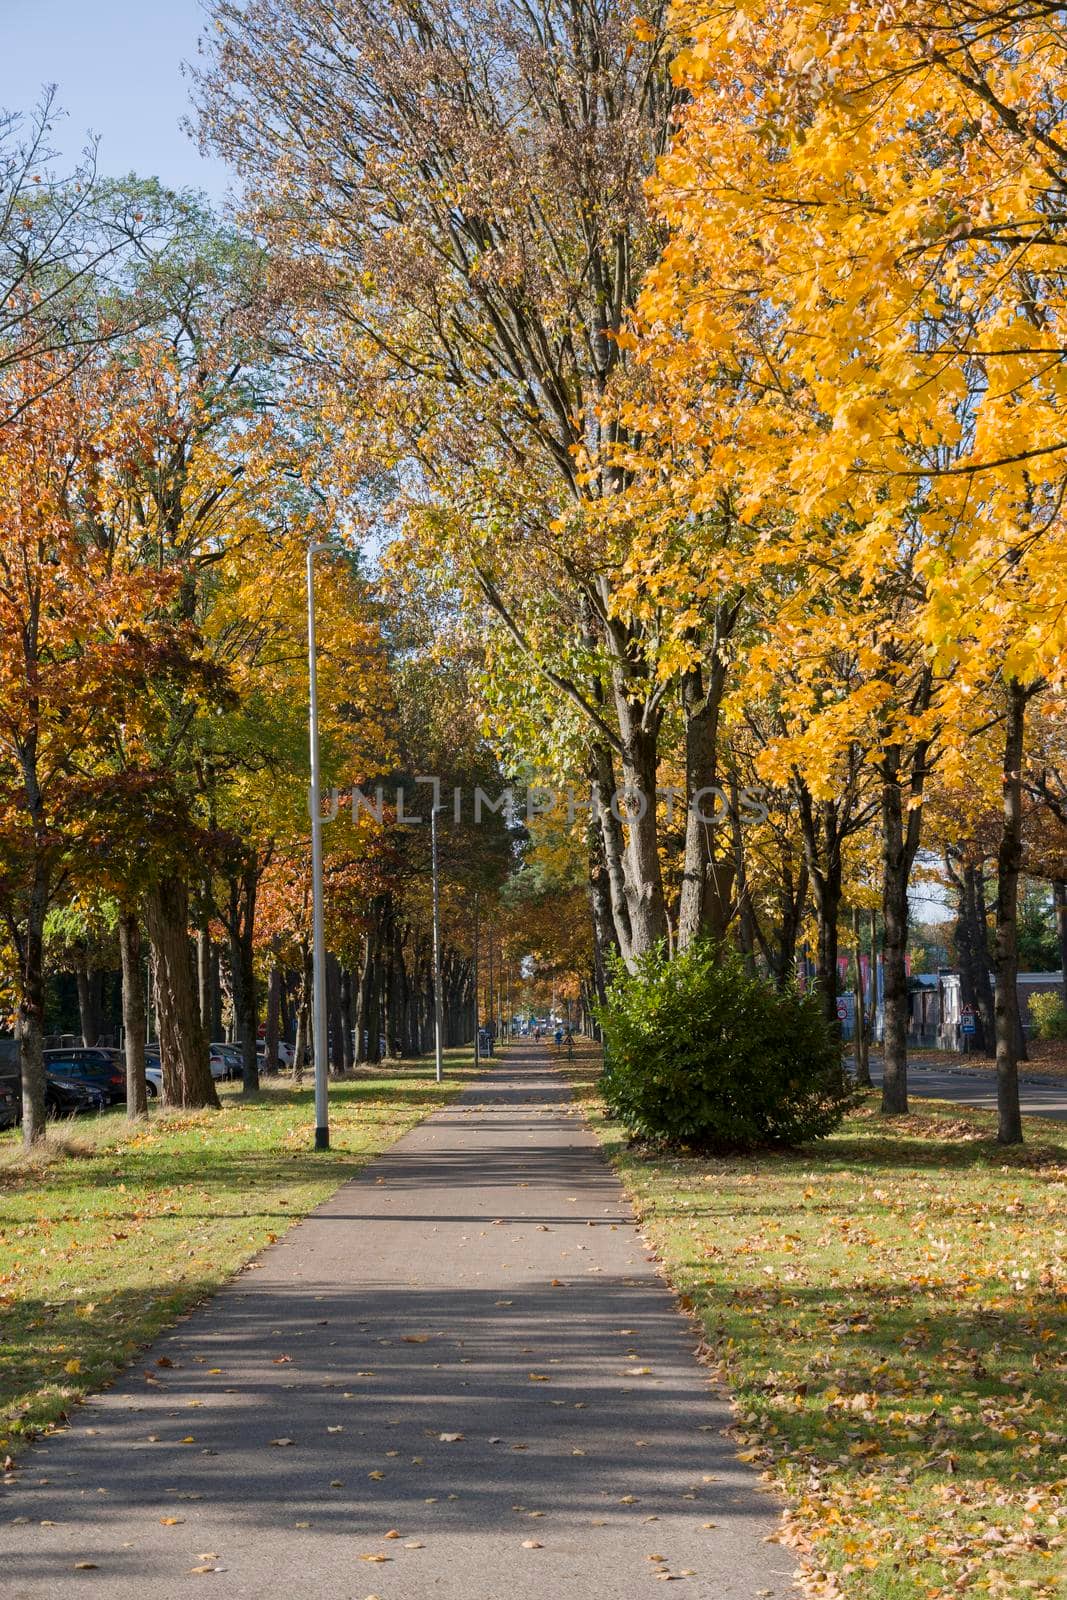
(1049, 1015)
(699, 1053)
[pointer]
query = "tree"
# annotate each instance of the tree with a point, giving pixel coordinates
(81, 639)
(465, 203)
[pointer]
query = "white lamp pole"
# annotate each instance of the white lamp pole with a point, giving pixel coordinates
(437, 1024)
(318, 933)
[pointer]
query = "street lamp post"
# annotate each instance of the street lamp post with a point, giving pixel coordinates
(438, 1041)
(322, 1114)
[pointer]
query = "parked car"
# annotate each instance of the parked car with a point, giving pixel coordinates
(65, 1097)
(220, 1065)
(286, 1055)
(10, 1101)
(92, 1067)
(231, 1054)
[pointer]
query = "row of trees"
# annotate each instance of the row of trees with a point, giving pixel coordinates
(698, 376)
(163, 466)
(718, 355)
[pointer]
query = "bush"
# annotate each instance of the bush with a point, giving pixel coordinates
(1049, 1015)
(702, 1054)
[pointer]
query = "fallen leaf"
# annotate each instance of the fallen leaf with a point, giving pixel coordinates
(532, 1544)
(450, 1438)
(281, 1442)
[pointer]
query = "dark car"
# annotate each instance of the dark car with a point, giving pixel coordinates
(65, 1097)
(10, 1102)
(10, 1083)
(93, 1068)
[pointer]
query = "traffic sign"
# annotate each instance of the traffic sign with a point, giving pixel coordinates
(842, 1011)
(967, 1020)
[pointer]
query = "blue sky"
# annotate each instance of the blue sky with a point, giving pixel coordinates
(117, 65)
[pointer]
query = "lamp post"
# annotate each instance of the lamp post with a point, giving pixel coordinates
(437, 1030)
(318, 933)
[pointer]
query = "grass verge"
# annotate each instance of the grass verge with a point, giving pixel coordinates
(887, 1307)
(109, 1231)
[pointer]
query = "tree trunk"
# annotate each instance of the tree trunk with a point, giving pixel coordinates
(303, 1015)
(347, 1021)
(863, 1059)
(241, 926)
(88, 1009)
(1006, 956)
(274, 1008)
(187, 1077)
(700, 908)
(972, 944)
(609, 828)
(822, 834)
(133, 1014)
(204, 961)
(900, 841)
(214, 1029)
(1059, 900)
(636, 803)
(333, 1014)
(29, 1020)
(894, 994)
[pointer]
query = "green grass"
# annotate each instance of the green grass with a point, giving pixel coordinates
(108, 1231)
(887, 1307)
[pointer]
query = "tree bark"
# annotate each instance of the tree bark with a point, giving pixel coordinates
(303, 1014)
(203, 959)
(347, 1021)
(699, 907)
(900, 841)
(1006, 953)
(274, 1008)
(333, 1013)
(133, 1014)
(240, 927)
(637, 804)
(1059, 901)
(187, 1077)
(863, 1059)
(972, 945)
(602, 781)
(822, 832)
(88, 1008)
(29, 1019)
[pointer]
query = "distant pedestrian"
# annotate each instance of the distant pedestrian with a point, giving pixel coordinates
(568, 1040)
(559, 1040)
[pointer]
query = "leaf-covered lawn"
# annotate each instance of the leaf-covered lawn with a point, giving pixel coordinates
(888, 1310)
(110, 1233)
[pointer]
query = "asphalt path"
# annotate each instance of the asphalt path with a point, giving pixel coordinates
(1039, 1097)
(461, 1378)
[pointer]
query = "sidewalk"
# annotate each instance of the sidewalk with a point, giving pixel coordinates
(459, 1379)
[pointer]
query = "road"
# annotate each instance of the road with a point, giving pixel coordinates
(460, 1379)
(1038, 1097)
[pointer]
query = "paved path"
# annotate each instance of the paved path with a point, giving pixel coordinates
(1039, 1097)
(467, 1345)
